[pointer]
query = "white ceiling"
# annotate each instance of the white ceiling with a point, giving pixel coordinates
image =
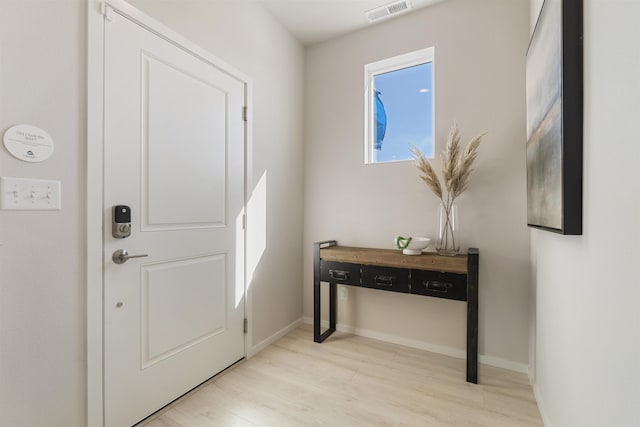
(313, 21)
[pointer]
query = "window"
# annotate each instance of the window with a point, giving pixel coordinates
(399, 107)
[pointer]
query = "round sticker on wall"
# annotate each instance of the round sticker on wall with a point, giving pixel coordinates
(28, 143)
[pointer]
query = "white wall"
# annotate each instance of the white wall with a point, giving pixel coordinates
(588, 343)
(42, 82)
(246, 36)
(534, 11)
(480, 82)
(42, 286)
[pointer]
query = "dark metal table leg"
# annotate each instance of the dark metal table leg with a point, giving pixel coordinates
(333, 290)
(318, 336)
(472, 315)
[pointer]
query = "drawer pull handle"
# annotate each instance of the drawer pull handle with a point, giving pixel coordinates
(339, 274)
(383, 280)
(435, 286)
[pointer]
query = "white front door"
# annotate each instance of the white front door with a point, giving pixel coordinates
(174, 153)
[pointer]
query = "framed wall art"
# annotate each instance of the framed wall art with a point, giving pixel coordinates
(555, 119)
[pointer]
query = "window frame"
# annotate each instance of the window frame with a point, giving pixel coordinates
(395, 63)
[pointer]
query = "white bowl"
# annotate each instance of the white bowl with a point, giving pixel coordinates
(416, 246)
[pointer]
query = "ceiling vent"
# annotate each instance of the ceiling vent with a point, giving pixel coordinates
(388, 10)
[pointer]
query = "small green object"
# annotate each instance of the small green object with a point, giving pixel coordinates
(403, 242)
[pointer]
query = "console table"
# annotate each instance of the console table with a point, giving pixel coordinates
(428, 274)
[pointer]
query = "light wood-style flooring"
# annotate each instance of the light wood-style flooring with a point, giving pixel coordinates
(353, 381)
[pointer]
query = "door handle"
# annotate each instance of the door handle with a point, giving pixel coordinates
(121, 256)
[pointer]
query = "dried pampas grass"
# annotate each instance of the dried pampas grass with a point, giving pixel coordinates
(457, 165)
(450, 156)
(464, 167)
(428, 175)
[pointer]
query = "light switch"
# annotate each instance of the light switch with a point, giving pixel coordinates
(29, 194)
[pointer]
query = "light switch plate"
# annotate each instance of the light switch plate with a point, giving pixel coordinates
(29, 194)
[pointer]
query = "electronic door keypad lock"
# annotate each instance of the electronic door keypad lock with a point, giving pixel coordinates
(121, 225)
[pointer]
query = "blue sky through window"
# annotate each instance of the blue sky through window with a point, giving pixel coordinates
(407, 95)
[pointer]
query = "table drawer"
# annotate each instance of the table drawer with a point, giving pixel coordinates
(438, 284)
(340, 272)
(386, 278)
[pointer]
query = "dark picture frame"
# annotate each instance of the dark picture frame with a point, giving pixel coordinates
(555, 119)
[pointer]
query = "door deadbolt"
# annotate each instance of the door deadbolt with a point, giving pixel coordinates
(121, 223)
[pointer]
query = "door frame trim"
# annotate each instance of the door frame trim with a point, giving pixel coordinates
(96, 12)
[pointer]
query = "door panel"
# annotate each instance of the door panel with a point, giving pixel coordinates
(181, 305)
(174, 153)
(190, 104)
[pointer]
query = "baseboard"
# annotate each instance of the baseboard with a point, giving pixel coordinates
(421, 345)
(273, 338)
(541, 407)
(503, 363)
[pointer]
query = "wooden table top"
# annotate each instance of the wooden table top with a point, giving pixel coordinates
(395, 258)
